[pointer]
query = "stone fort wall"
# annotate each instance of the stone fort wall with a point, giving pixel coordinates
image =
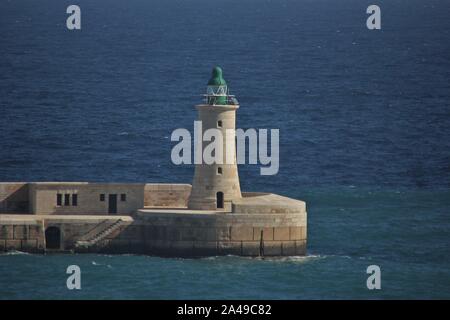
(14, 197)
(166, 195)
(24, 236)
(165, 234)
(41, 198)
(258, 224)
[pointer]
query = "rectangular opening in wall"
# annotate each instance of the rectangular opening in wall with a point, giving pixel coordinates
(123, 197)
(59, 199)
(75, 199)
(112, 203)
(219, 170)
(102, 197)
(219, 200)
(67, 199)
(219, 124)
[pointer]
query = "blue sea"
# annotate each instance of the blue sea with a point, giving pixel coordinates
(364, 120)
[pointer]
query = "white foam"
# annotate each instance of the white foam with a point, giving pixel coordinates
(14, 253)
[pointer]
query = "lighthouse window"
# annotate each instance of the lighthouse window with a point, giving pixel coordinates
(219, 124)
(123, 197)
(102, 197)
(219, 170)
(59, 199)
(219, 200)
(67, 199)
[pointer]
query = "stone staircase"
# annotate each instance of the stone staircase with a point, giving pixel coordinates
(93, 239)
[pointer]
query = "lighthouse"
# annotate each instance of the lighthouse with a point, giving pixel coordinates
(208, 218)
(216, 185)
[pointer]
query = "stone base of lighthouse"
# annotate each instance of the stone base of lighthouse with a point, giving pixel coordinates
(260, 224)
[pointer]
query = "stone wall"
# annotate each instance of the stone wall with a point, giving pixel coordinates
(75, 229)
(260, 224)
(167, 195)
(166, 234)
(43, 197)
(25, 236)
(27, 233)
(197, 238)
(14, 197)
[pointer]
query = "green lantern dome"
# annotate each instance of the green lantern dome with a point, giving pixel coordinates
(217, 90)
(217, 78)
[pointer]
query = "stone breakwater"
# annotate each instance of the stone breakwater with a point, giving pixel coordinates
(257, 224)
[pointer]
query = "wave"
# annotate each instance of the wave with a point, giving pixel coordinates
(14, 253)
(306, 258)
(94, 263)
(296, 259)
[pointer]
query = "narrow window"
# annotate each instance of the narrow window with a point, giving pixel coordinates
(59, 199)
(219, 170)
(219, 124)
(123, 197)
(102, 197)
(75, 200)
(67, 199)
(219, 200)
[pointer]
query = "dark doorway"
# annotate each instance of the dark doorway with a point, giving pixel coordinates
(52, 238)
(112, 203)
(219, 199)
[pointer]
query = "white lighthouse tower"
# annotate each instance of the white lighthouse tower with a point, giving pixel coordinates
(216, 185)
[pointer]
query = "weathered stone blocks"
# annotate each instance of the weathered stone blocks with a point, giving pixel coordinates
(242, 233)
(281, 233)
(223, 234)
(297, 233)
(35, 231)
(6, 232)
(20, 232)
(272, 248)
(29, 245)
(267, 233)
(13, 244)
(229, 247)
(251, 248)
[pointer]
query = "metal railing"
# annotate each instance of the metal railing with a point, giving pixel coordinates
(214, 99)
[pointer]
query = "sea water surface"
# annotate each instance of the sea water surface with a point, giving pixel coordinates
(364, 119)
